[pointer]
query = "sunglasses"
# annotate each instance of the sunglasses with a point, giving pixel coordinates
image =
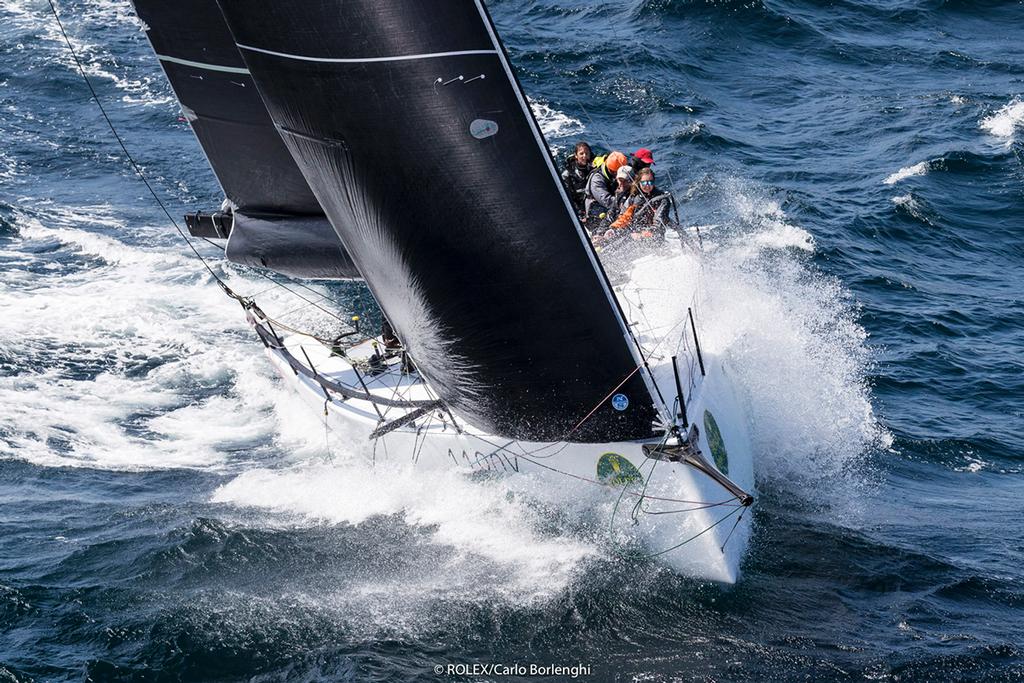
(646, 183)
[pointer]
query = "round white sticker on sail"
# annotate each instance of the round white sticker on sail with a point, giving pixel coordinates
(483, 128)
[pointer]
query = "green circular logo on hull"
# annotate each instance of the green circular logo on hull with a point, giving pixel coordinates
(716, 443)
(615, 470)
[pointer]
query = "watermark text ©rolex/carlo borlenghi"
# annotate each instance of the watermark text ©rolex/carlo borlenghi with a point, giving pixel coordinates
(570, 671)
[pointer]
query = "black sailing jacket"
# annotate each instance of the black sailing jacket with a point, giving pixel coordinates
(575, 178)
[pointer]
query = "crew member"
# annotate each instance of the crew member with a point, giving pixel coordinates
(574, 176)
(646, 213)
(641, 159)
(624, 177)
(601, 185)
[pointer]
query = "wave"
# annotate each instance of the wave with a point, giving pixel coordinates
(554, 123)
(1005, 121)
(128, 358)
(914, 208)
(698, 133)
(969, 6)
(731, 15)
(919, 168)
(141, 84)
(793, 335)
(955, 162)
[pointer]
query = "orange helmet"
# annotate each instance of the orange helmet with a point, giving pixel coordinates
(615, 161)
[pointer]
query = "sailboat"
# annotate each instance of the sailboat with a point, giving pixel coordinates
(402, 126)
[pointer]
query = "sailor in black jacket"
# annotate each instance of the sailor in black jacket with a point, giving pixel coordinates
(574, 175)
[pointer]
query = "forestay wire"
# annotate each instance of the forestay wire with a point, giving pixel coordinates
(131, 159)
(156, 197)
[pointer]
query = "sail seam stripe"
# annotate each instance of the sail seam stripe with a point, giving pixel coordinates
(203, 65)
(363, 60)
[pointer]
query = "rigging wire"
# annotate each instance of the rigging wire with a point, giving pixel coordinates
(308, 301)
(532, 461)
(131, 160)
(163, 207)
(290, 291)
(732, 530)
(699, 534)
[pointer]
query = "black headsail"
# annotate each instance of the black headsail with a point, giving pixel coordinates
(276, 221)
(408, 123)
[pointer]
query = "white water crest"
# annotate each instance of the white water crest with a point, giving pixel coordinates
(130, 358)
(790, 338)
(1004, 122)
(144, 86)
(492, 530)
(553, 123)
(920, 168)
(802, 358)
(763, 223)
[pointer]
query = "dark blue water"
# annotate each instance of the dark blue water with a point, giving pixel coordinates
(170, 513)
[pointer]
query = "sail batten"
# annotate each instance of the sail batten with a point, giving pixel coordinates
(203, 65)
(442, 190)
(366, 60)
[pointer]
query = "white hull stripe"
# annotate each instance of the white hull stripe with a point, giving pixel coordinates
(363, 60)
(203, 65)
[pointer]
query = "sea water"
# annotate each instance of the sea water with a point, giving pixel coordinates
(855, 168)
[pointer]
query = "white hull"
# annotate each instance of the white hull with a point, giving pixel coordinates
(706, 530)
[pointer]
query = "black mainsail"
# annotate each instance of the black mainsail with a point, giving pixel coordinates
(409, 125)
(275, 220)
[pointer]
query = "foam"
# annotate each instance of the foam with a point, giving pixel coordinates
(140, 85)
(693, 128)
(487, 524)
(8, 167)
(111, 250)
(912, 206)
(763, 223)
(920, 168)
(553, 123)
(1005, 121)
(132, 307)
(117, 352)
(802, 359)
(791, 341)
